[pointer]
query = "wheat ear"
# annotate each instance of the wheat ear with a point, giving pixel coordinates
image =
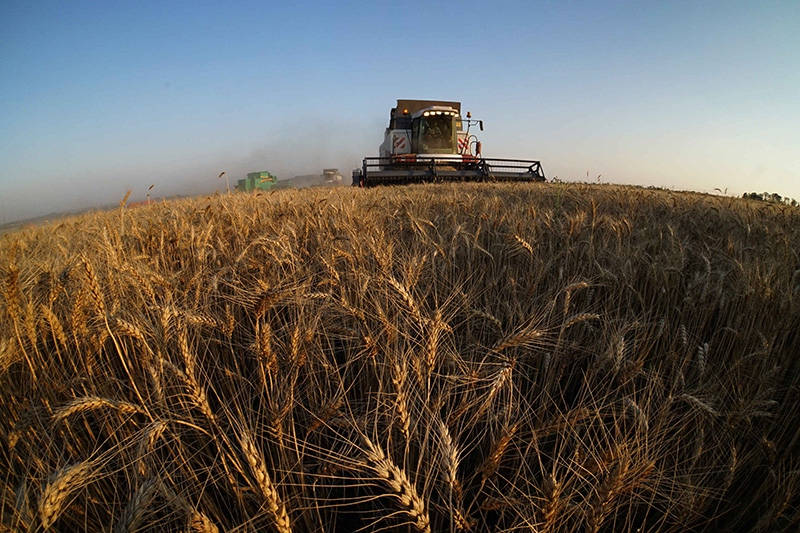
(94, 286)
(521, 338)
(492, 462)
(551, 492)
(126, 328)
(401, 401)
(196, 390)
(451, 460)
(407, 298)
(151, 435)
(62, 484)
(604, 493)
(200, 523)
(55, 325)
(525, 244)
(438, 326)
(90, 403)
(259, 470)
(401, 488)
(134, 513)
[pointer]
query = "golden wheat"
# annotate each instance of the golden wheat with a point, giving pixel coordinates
(264, 483)
(137, 506)
(401, 488)
(580, 358)
(58, 490)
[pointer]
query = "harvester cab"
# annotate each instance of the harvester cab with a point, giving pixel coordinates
(430, 141)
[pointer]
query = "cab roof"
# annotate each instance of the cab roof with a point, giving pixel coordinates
(413, 106)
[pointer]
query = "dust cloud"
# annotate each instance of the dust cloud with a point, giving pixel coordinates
(285, 150)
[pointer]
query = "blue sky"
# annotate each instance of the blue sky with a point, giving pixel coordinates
(99, 97)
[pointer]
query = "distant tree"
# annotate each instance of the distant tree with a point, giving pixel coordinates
(752, 196)
(770, 197)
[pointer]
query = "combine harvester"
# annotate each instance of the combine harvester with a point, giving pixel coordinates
(330, 177)
(430, 141)
(265, 181)
(258, 181)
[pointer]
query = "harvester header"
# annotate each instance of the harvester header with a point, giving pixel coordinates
(431, 141)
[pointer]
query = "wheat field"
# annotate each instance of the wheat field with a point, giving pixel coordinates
(474, 357)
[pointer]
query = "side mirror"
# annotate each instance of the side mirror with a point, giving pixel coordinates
(480, 123)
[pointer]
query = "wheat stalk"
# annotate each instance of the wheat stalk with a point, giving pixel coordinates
(638, 414)
(187, 355)
(568, 290)
(155, 371)
(230, 322)
(297, 355)
(195, 391)
(8, 355)
(200, 319)
(702, 354)
(502, 378)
